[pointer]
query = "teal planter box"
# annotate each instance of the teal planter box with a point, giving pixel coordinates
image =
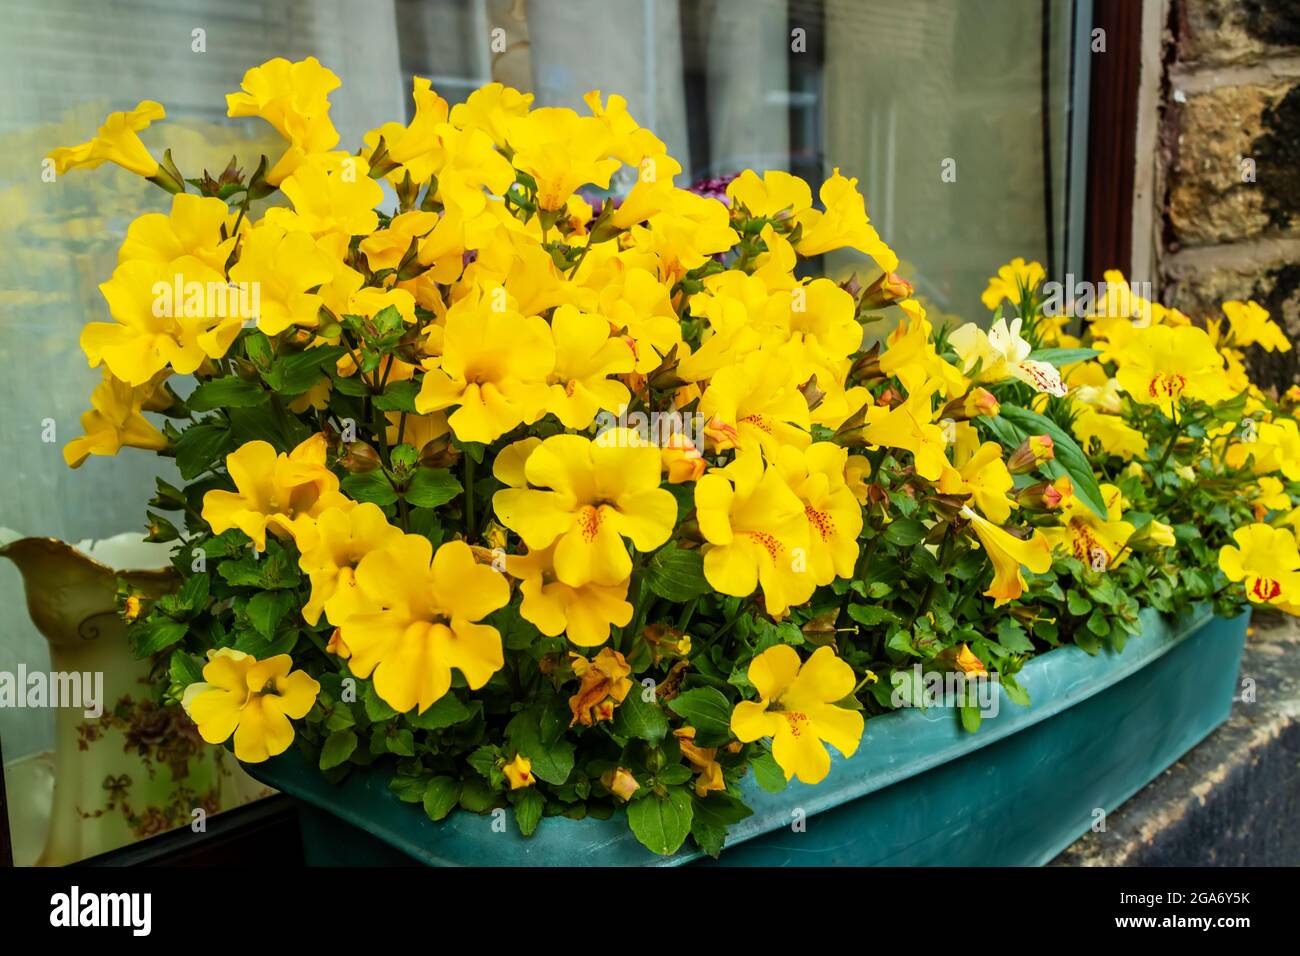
(919, 791)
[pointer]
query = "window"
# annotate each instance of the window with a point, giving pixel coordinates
(962, 122)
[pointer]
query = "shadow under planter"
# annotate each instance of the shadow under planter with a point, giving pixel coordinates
(919, 791)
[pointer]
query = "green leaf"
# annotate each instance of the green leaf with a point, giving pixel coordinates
(408, 789)
(768, 773)
(1012, 636)
(272, 571)
(441, 796)
(398, 397)
(227, 392)
(154, 634)
(871, 615)
(375, 707)
(295, 373)
(432, 487)
(644, 720)
(1060, 357)
(904, 532)
(721, 808)
(185, 669)
(662, 823)
(675, 574)
(708, 711)
(446, 711)
(337, 749)
(267, 609)
(476, 796)
(1068, 454)
(268, 423)
(193, 593)
(200, 446)
(709, 837)
(529, 805)
(372, 486)
(1077, 604)
(551, 752)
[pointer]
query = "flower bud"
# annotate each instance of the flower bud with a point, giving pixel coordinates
(968, 663)
(976, 402)
(681, 460)
(620, 783)
(439, 453)
(358, 458)
(1031, 453)
(1047, 495)
(1154, 534)
(519, 772)
(888, 289)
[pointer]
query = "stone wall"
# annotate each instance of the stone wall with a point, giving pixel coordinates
(1230, 157)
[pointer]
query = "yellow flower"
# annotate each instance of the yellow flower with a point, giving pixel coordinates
(605, 685)
(983, 475)
(284, 266)
(832, 512)
(280, 493)
(585, 497)
(519, 772)
(1267, 561)
(116, 142)
(561, 151)
(384, 249)
(1099, 544)
(775, 193)
(583, 613)
(1276, 448)
(585, 357)
(1114, 436)
(1251, 326)
(114, 420)
(910, 356)
(1002, 353)
(416, 148)
(148, 333)
(339, 201)
(1160, 365)
(491, 108)
(1272, 496)
(493, 369)
(703, 760)
(1010, 279)
(293, 98)
(344, 538)
(844, 223)
(911, 427)
(797, 709)
(191, 228)
(755, 403)
(756, 531)
(1007, 554)
(857, 475)
(427, 622)
(252, 699)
